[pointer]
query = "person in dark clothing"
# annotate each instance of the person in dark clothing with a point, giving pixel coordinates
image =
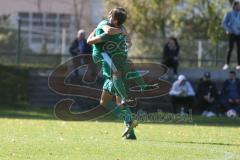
(182, 95)
(230, 23)
(230, 94)
(207, 95)
(80, 46)
(170, 54)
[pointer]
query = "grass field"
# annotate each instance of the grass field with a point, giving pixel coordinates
(37, 135)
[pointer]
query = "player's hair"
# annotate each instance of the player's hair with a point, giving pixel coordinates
(235, 3)
(232, 72)
(81, 31)
(119, 14)
(176, 42)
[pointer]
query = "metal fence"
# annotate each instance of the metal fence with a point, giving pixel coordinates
(52, 60)
(31, 59)
(193, 53)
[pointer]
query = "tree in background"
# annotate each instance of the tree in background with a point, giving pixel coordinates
(202, 19)
(231, 1)
(148, 20)
(8, 37)
(78, 6)
(154, 20)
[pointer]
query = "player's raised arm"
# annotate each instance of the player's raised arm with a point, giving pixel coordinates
(93, 39)
(114, 30)
(111, 30)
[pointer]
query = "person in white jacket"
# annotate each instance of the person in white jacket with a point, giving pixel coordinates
(182, 94)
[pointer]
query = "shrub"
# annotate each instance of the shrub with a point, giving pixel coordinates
(13, 84)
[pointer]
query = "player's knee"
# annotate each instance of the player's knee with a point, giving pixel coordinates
(103, 103)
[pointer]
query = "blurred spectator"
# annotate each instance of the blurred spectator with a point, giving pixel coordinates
(182, 94)
(231, 23)
(230, 94)
(207, 95)
(170, 54)
(80, 46)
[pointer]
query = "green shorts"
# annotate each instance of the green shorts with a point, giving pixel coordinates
(109, 87)
(120, 61)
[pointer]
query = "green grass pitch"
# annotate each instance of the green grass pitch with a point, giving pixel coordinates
(23, 137)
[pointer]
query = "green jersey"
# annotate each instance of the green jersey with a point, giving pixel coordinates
(98, 48)
(113, 45)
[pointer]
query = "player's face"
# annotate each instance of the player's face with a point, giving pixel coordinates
(171, 44)
(232, 76)
(112, 20)
(81, 36)
(238, 6)
(206, 78)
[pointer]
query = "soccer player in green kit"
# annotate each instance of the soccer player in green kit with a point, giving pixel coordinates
(109, 52)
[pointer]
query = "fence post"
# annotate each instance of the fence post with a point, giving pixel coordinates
(217, 51)
(18, 51)
(63, 47)
(200, 53)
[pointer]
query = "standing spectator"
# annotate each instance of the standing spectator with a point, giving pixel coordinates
(80, 46)
(207, 95)
(231, 23)
(170, 54)
(182, 94)
(230, 97)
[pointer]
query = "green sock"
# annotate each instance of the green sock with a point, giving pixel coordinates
(132, 132)
(119, 85)
(127, 112)
(123, 114)
(137, 78)
(140, 82)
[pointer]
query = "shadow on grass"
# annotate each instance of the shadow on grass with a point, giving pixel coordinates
(205, 143)
(198, 143)
(24, 111)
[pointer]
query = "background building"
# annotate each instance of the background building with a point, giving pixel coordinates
(43, 22)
